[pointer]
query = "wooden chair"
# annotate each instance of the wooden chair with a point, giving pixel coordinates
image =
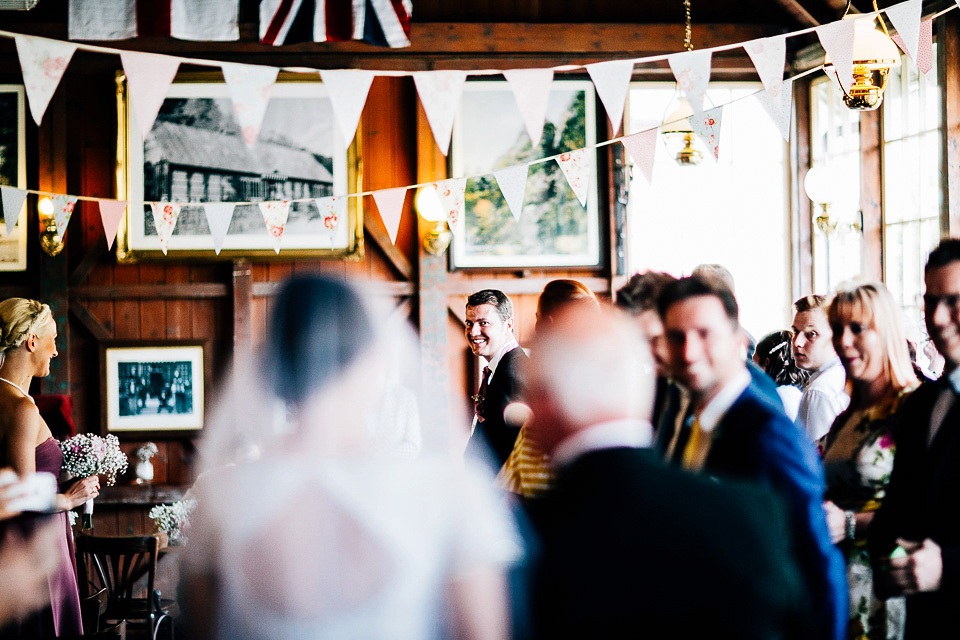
(119, 565)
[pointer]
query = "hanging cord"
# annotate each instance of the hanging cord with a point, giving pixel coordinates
(688, 28)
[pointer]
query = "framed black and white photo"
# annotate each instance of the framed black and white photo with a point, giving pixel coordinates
(13, 173)
(553, 230)
(195, 153)
(156, 387)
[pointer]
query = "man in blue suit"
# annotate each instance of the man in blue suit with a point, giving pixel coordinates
(740, 432)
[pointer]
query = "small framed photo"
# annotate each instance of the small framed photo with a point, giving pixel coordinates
(13, 172)
(153, 388)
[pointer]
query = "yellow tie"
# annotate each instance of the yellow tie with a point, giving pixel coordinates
(695, 453)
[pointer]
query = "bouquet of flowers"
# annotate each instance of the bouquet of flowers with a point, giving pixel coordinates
(173, 519)
(85, 455)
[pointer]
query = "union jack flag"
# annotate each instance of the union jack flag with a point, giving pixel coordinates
(384, 23)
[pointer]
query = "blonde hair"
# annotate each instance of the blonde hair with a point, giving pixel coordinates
(20, 318)
(870, 304)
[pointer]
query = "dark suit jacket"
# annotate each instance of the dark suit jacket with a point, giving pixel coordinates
(634, 548)
(755, 441)
(494, 434)
(921, 502)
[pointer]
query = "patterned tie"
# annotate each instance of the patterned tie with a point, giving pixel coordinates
(695, 453)
(478, 406)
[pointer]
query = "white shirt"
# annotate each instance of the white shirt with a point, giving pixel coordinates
(823, 399)
(603, 435)
(495, 360)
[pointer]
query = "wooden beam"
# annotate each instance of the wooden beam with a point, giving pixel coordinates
(181, 290)
(871, 194)
(948, 70)
(517, 286)
(370, 287)
(242, 308)
(89, 261)
(396, 258)
(89, 321)
(801, 215)
(799, 12)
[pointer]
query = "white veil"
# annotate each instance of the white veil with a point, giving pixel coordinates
(329, 504)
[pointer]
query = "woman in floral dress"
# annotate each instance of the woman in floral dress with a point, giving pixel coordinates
(858, 451)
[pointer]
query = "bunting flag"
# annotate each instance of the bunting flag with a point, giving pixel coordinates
(378, 22)
(707, 128)
(692, 71)
(390, 205)
(332, 210)
(250, 87)
(451, 197)
(148, 77)
(513, 185)
(440, 95)
(611, 80)
(768, 56)
(642, 147)
(275, 215)
(210, 20)
(219, 215)
(43, 62)
(576, 168)
(165, 216)
(111, 213)
(62, 211)
(906, 20)
(348, 93)
(779, 106)
(531, 90)
(12, 200)
(924, 54)
(837, 40)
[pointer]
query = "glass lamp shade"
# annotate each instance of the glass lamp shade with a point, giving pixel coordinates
(872, 48)
(428, 204)
(678, 120)
(820, 185)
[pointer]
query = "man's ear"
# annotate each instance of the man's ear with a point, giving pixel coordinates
(509, 323)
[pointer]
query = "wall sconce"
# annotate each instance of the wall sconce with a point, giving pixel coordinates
(678, 135)
(437, 238)
(50, 238)
(874, 54)
(820, 185)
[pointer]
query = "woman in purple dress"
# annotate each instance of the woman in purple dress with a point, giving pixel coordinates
(28, 337)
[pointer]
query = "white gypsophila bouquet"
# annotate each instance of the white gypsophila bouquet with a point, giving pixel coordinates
(146, 451)
(173, 519)
(86, 455)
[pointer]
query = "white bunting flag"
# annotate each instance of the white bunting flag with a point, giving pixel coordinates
(43, 62)
(165, 216)
(332, 210)
(513, 185)
(612, 79)
(707, 128)
(531, 90)
(348, 94)
(906, 20)
(692, 71)
(219, 215)
(451, 197)
(62, 211)
(275, 215)
(440, 96)
(13, 199)
(779, 106)
(924, 55)
(111, 213)
(642, 147)
(837, 40)
(768, 56)
(576, 168)
(250, 87)
(148, 76)
(390, 205)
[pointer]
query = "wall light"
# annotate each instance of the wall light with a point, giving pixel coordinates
(437, 238)
(50, 239)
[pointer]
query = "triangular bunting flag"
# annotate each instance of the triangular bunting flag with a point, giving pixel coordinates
(390, 205)
(275, 215)
(513, 186)
(924, 56)
(451, 197)
(219, 215)
(12, 205)
(692, 71)
(250, 86)
(43, 62)
(837, 40)
(612, 79)
(440, 95)
(906, 20)
(165, 216)
(642, 147)
(531, 89)
(707, 128)
(576, 168)
(779, 106)
(111, 213)
(148, 76)
(332, 210)
(62, 211)
(768, 56)
(348, 93)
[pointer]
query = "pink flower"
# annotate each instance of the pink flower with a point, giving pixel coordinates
(885, 441)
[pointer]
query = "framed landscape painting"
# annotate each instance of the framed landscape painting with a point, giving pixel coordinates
(13, 173)
(195, 154)
(553, 230)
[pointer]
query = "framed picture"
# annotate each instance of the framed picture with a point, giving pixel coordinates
(553, 230)
(195, 154)
(155, 387)
(13, 172)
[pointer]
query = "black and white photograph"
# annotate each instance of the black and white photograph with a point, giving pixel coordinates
(153, 387)
(195, 153)
(13, 246)
(553, 230)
